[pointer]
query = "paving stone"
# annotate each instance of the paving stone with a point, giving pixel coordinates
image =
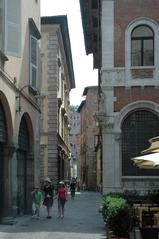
(82, 221)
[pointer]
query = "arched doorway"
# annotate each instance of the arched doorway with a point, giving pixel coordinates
(3, 141)
(25, 168)
(137, 128)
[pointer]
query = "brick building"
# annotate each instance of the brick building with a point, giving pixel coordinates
(74, 139)
(125, 45)
(88, 134)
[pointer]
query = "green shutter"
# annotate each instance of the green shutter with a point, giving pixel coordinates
(13, 27)
(33, 61)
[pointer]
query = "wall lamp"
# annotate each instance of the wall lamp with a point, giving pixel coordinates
(18, 97)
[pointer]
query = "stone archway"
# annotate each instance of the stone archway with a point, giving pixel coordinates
(6, 146)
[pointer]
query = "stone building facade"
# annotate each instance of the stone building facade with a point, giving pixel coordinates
(128, 34)
(88, 134)
(19, 106)
(74, 140)
(57, 81)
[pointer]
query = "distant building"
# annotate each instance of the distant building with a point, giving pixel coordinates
(74, 135)
(88, 135)
(57, 81)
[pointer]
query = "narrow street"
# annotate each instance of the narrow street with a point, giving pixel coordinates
(82, 221)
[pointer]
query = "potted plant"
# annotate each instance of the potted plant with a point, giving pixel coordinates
(117, 215)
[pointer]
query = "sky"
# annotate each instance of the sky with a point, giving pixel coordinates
(82, 63)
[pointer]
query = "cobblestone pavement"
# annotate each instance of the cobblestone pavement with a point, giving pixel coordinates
(82, 221)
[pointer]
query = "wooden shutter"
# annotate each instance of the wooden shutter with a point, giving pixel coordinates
(2, 25)
(13, 27)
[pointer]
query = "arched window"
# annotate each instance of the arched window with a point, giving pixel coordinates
(142, 46)
(137, 128)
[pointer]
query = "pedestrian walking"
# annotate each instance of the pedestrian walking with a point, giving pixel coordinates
(48, 196)
(73, 188)
(62, 198)
(36, 202)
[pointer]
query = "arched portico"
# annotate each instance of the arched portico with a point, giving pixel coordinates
(25, 164)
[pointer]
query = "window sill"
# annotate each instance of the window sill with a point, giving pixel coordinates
(142, 72)
(142, 67)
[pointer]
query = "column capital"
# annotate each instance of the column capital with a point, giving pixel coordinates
(117, 136)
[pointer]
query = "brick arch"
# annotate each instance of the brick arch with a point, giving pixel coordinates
(147, 105)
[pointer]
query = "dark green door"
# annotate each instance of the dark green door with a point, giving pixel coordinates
(1, 179)
(23, 141)
(3, 140)
(21, 176)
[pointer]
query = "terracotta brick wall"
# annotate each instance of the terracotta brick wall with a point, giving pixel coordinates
(125, 11)
(127, 95)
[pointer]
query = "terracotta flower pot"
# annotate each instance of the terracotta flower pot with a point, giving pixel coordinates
(110, 235)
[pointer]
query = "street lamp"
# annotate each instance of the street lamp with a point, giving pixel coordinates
(103, 119)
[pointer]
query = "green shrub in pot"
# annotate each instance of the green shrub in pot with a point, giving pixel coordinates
(117, 214)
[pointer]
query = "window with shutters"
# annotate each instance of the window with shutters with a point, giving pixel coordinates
(13, 27)
(2, 25)
(33, 62)
(33, 54)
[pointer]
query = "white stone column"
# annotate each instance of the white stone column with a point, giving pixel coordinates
(107, 25)
(108, 162)
(111, 161)
(117, 163)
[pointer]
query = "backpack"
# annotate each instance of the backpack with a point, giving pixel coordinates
(62, 193)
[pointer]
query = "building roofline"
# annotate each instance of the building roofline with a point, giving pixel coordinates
(81, 106)
(88, 88)
(62, 21)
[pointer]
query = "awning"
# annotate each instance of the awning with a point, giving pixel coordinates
(149, 161)
(154, 146)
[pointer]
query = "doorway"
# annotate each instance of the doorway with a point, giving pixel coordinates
(3, 141)
(22, 167)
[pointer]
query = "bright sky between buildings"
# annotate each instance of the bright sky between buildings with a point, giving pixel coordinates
(83, 64)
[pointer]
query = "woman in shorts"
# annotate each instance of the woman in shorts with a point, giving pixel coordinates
(48, 197)
(62, 198)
